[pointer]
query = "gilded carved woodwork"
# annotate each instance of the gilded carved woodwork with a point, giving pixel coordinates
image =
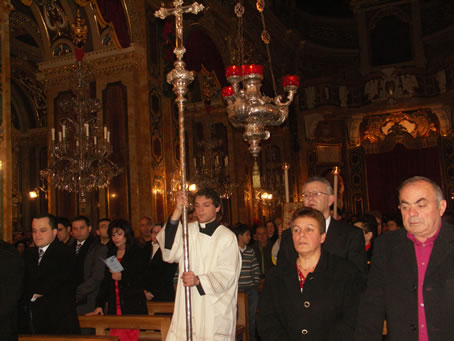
(414, 129)
(23, 24)
(102, 63)
(34, 90)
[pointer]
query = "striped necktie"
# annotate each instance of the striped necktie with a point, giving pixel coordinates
(40, 255)
(78, 246)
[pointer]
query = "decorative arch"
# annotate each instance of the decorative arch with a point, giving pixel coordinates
(202, 50)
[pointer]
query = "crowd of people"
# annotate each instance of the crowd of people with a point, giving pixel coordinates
(319, 279)
(63, 273)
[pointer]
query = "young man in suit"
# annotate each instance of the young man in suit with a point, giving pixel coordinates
(89, 265)
(64, 231)
(342, 239)
(102, 230)
(411, 281)
(160, 274)
(49, 281)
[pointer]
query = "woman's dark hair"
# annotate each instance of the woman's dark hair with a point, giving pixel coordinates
(394, 217)
(126, 227)
(275, 234)
(240, 229)
(21, 241)
(369, 223)
(312, 213)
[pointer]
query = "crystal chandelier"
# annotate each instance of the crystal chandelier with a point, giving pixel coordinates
(211, 166)
(80, 148)
(247, 107)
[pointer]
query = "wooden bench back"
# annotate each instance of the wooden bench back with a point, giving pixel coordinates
(166, 308)
(67, 338)
(145, 322)
(155, 307)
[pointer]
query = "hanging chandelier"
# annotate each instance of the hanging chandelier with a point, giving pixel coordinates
(80, 148)
(211, 166)
(247, 107)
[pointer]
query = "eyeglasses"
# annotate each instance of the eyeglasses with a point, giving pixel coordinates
(313, 194)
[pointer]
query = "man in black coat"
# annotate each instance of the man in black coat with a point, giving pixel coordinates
(159, 275)
(89, 265)
(49, 282)
(11, 277)
(411, 281)
(342, 240)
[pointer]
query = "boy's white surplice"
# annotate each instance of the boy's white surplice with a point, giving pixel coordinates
(217, 261)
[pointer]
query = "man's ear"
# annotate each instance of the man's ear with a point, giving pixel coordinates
(331, 199)
(54, 232)
(89, 228)
(442, 207)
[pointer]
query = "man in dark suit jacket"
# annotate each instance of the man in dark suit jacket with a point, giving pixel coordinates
(159, 275)
(411, 281)
(89, 265)
(49, 282)
(262, 249)
(342, 240)
(11, 277)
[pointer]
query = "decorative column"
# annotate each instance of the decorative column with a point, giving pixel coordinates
(6, 176)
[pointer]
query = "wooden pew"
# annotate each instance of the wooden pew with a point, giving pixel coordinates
(67, 338)
(160, 308)
(166, 308)
(156, 327)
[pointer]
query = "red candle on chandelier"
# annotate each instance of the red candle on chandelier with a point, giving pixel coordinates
(252, 68)
(232, 70)
(227, 91)
(291, 80)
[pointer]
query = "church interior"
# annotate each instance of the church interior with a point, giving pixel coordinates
(90, 124)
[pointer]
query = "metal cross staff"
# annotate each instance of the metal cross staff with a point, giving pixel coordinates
(181, 78)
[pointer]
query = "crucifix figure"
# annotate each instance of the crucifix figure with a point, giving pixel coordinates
(180, 78)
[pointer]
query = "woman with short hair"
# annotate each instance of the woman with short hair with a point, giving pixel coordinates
(314, 297)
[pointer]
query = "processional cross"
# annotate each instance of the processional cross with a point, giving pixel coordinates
(180, 78)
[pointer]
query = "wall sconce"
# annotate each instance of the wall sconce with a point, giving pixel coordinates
(34, 193)
(266, 196)
(158, 185)
(192, 188)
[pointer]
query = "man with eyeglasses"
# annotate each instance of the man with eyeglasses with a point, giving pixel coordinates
(411, 281)
(342, 239)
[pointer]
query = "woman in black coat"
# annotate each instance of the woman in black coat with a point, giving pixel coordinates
(316, 296)
(123, 291)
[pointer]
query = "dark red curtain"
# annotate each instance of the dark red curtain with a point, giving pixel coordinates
(112, 11)
(386, 171)
(200, 49)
